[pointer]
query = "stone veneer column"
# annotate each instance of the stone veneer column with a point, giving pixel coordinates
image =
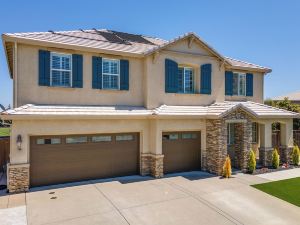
(157, 166)
(246, 145)
(265, 156)
(152, 164)
(265, 150)
(18, 178)
(216, 145)
(285, 153)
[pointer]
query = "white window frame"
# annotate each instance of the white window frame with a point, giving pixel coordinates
(239, 78)
(183, 80)
(62, 70)
(110, 74)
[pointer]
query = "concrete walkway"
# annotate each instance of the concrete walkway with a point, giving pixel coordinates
(281, 175)
(185, 198)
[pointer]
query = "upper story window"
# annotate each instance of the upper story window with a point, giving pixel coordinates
(61, 70)
(239, 84)
(111, 74)
(186, 80)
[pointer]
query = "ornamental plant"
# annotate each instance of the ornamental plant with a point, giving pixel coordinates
(296, 155)
(275, 159)
(252, 162)
(227, 168)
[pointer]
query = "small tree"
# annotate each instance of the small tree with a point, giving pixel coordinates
(296, 155)
(227, 168)
(275, 159)
(252, 162)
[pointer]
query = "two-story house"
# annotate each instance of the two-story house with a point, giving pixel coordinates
(91, 104)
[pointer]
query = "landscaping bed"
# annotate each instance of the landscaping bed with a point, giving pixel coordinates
(263, 170)
(287, 190)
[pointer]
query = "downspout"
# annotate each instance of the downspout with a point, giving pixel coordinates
(15, 76)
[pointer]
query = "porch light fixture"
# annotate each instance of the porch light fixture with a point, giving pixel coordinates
(19, 142)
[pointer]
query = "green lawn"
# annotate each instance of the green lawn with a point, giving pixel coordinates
(4, 131)
(287, 190)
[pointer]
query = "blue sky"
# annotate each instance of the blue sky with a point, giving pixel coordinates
(263, 32)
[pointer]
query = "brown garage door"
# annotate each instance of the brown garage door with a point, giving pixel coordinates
(181, 151)
(60, 159)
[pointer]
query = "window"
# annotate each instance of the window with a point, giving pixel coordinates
(76, 140)
(170, 136)
(186, 80)
(101, 138)
(230, 134)
(124, 137)
(111, 74)
(254, 132)
(189, 136)
(239, 84)
(61, 70)
(48, 141)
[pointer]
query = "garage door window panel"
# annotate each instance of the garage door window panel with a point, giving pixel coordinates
(170, 137)
(102, 138)
(48, 141)
(76, 140)
(189, 136)
(124, 137)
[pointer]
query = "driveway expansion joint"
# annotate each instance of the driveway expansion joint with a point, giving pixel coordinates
(107, 198)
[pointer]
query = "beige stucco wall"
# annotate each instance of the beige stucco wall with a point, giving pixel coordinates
(150, 132)
(30, 92)
(193, 56)
(258, 90)
(147, 80)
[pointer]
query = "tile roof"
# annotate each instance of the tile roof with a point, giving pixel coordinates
(216, 110)
(99, 39)
(68, 110)
(294, 96)
(115, 41)
(243, 64)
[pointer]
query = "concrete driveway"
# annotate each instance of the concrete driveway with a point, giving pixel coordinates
(186, 198)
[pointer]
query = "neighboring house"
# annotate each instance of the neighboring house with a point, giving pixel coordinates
(294, 97)
(98, 103)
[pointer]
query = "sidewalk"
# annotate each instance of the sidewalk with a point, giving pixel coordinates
(281, 175)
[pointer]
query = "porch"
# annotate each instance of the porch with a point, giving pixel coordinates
(238, 130)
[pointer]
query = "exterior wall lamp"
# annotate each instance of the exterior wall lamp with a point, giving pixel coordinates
(19, 142)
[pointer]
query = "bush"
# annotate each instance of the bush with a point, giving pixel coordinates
(227, 168)
(275, 159)
(252, 162)
(296, 155)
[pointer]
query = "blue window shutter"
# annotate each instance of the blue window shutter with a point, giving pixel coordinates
(97, 72)
(205, 85)
(44, 68)
(171, 76)
(228, 82)
(249, 84)
(77, 71)
(124, 74)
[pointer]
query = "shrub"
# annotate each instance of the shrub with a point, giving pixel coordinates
(296, 155)
(252, 162)
(275, 159)
(227, 168)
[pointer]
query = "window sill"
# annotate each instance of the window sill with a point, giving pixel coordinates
(191, 94)
(61, 87)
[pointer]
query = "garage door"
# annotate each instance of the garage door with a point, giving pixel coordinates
(60, 159)
(181, 151)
